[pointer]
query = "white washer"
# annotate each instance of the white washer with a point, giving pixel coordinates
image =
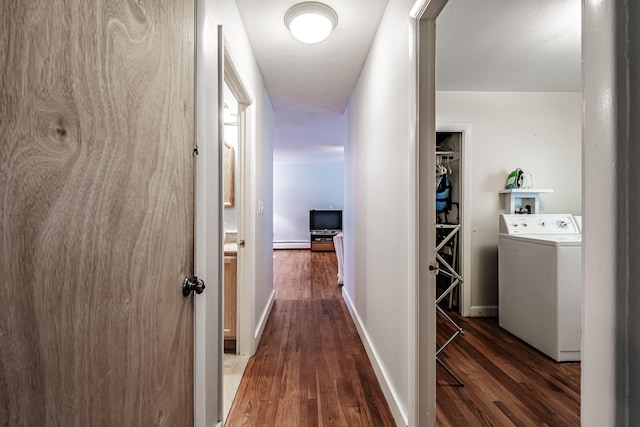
(539, 288)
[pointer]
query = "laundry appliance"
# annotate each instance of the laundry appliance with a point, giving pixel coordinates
(539, 282)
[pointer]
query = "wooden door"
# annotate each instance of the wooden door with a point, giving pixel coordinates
(96, 212)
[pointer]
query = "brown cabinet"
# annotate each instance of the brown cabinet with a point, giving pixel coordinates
(322, 241)
(230, 296)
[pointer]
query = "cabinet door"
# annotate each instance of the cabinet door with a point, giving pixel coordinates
(230, 296)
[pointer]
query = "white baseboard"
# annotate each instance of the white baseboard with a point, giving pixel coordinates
(263, 319)
(483, 311)
(301, 244)
(389, 392)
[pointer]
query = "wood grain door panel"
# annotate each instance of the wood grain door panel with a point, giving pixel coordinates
(230, 282)
(96, 212)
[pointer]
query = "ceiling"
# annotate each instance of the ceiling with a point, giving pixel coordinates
(509, 45)
(482, 45)
(320, 75)
(310, 84)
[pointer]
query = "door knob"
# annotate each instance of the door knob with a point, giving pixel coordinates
(192, 284)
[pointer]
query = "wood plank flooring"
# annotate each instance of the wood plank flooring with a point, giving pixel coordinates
(303, 275)
(506, 382)
(310, 368)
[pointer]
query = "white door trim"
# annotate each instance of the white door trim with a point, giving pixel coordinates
(207, 233)
(422, 342)
(246, 282)
(213, 63)
(609, 365)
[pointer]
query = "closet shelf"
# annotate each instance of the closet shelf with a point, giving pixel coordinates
(448, 155)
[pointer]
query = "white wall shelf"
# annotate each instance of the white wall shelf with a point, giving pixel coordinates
(516, 200)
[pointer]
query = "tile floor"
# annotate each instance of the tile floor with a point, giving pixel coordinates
(233, 368)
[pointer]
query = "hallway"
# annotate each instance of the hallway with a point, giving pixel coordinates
(310, 368)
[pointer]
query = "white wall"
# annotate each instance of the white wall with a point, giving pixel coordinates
(298, 188)
(260, 208)
(538, 132)
(211, 13)
(379, 205)
(308, 171)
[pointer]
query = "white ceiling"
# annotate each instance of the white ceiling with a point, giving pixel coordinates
(509, 45)
(310, 84)
(304, 76)
(496, 45)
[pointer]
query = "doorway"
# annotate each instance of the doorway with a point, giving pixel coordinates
(237, 291)
(453, 153)
(234, 363)
(458, 105)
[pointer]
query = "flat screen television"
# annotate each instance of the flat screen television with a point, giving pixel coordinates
(325, 220)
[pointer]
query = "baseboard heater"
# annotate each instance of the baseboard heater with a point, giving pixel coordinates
(292, 244)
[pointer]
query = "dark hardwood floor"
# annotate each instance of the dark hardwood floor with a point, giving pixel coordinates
(310, 368)
(506, 382)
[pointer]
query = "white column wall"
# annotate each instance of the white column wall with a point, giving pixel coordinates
(611, 62)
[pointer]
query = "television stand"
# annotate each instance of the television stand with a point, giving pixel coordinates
(322, 240)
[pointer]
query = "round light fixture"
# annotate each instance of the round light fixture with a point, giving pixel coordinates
(311, 22)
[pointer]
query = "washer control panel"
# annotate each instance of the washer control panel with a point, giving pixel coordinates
(538, 224)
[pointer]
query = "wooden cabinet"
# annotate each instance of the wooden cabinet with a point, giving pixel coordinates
(322, 241)
(230, 296)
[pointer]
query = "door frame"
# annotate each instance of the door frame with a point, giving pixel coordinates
(213, 50)
(211, 57)
(208, 335)
(602, 403)
(422, 341)
(610, 370)
(246, 294)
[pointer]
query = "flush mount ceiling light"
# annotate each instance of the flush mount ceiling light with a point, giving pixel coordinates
(311, 22)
